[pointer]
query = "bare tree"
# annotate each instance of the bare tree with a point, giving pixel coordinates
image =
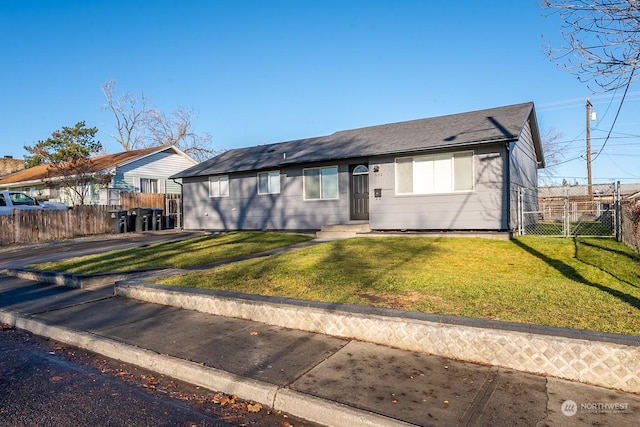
(130, 113)
(601, 41)
(139, 124)
(177, 129)
(552, 153)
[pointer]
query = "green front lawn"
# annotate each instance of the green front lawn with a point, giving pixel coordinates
(584, 284)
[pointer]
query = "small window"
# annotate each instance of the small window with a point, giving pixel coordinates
(148, 185)
(360, 170)
(219, 186)
(269, 182)
(321, 183)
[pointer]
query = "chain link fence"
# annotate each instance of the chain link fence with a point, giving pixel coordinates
(568, 210)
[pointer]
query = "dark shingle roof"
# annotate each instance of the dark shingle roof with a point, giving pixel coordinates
(472, 128)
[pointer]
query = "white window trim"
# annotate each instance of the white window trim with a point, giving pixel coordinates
(217, 179)
(452, 154)
(304, 183)
(268, 182)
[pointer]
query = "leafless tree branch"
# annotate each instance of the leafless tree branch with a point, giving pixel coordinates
(601, 41)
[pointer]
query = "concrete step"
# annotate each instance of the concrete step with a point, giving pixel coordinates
(355, 227)
(342, 231)
(335, 234)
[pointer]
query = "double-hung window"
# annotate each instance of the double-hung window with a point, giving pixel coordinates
(219, 186)
(439, 173)
(321, 183)
(269, 182)
(148, 185)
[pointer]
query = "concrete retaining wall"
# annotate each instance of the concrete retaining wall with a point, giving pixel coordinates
(79, 281)
(606, 360)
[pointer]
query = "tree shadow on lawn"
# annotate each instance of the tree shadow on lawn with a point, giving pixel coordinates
(571, 273)
(361, 258)
(611, 252)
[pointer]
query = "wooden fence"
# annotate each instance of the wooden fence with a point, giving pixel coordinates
(25, 226)
(142, 200)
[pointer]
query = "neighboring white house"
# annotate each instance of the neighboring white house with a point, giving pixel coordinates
(145, 171)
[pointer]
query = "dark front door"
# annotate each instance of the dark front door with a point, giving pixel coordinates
(359, 188)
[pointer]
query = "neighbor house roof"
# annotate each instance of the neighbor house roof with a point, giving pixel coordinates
(99, 163)
(502, 124)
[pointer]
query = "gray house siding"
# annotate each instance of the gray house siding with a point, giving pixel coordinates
(480, 209)
(523, 171)
(245, 209)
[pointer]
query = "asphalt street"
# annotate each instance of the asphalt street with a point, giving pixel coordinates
(41, 385)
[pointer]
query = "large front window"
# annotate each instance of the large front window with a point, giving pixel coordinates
(321, 183)
(440, 173)
(219, 186)
(269, 182)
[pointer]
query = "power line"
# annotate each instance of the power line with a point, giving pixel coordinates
(624, 95)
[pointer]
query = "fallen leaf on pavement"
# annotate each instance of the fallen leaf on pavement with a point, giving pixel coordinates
(224, 399)
(256, 407)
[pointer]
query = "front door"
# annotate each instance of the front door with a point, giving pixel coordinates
(359, 188)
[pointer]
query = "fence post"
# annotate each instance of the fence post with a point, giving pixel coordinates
(617, 211)
(566, 223)
(519, 211)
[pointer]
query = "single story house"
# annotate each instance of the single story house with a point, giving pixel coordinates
(145, 170)
(455, 172)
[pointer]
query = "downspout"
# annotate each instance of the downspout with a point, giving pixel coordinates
(181, 213)
(507, 147)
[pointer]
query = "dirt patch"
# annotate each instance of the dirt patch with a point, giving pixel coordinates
(399, 302)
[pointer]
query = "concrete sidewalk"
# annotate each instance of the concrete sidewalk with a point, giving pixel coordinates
(325, 379)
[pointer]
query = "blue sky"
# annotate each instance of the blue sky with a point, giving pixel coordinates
(259, 72)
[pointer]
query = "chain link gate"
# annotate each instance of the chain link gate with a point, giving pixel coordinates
(569, 211)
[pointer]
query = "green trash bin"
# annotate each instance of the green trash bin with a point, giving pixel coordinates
(119, 221)
(156, 219)
(141, 218)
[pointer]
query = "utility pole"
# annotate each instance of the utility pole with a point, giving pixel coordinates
(589, 181)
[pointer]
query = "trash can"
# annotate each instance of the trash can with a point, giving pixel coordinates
(119, 221)
(156, 219)
(141, 219)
